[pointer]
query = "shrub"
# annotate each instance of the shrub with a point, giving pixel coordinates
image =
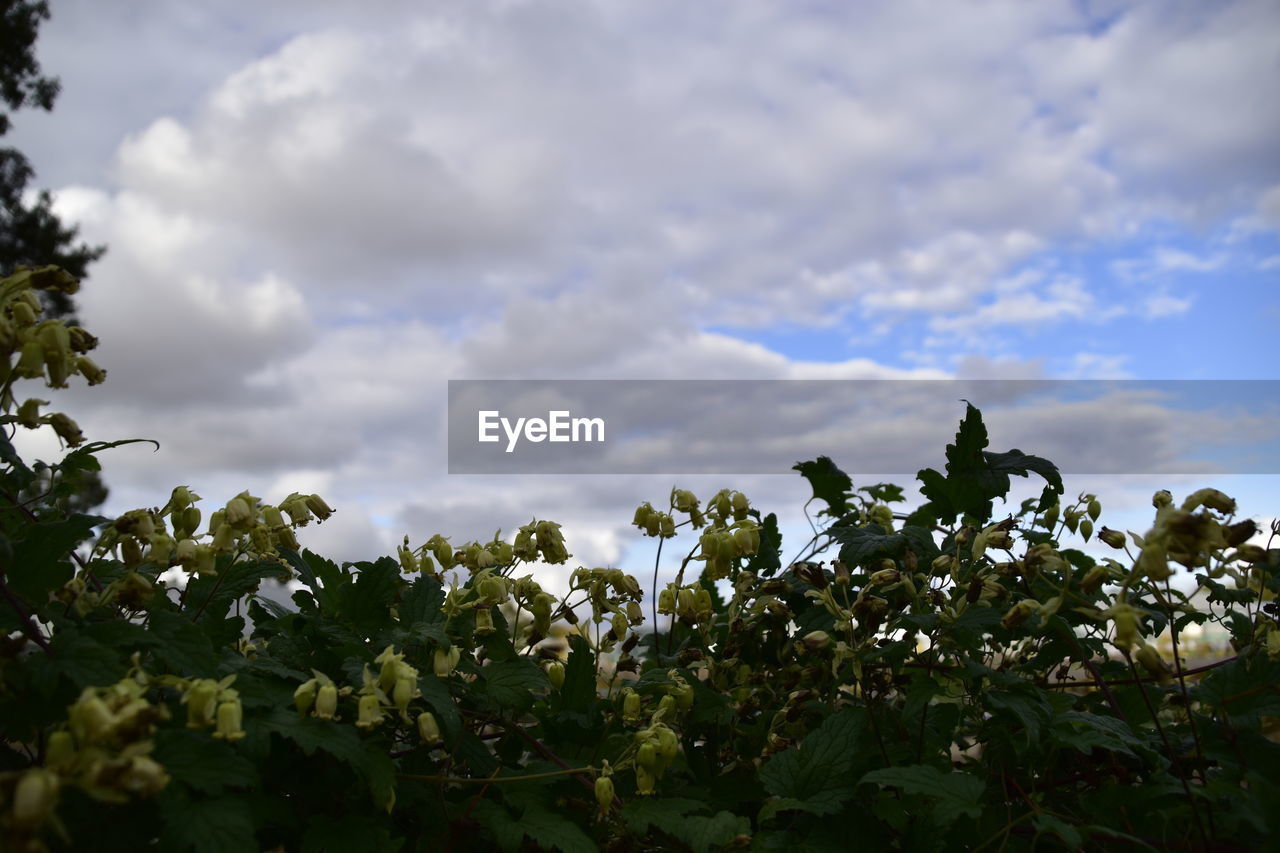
(952, 678)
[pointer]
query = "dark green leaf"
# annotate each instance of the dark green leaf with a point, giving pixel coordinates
(956, 793)
(182, 647)
(222, 825)
(768, 558)
(511, 683)
(829, 484)
(42, 559)
(819, 772)
(201, 762)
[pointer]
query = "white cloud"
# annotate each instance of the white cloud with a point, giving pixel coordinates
(338, 220)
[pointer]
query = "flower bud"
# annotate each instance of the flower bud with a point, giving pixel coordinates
(1019, 613)
(202, 702)
(316, 504)
(34, 798)
(230, 718)
(444, 661)
(428, 728)
(60, 750)
(370, 712)
(631, 706)
(1114, 538)
(641, 518)
(555, 674)
(305, 695)
(1161, 499)
(604, 792)
(29, 413)
(92, 373)
(66, 429)
(1094, 509)
(327, 702)
(1086, 529)
(406, 689)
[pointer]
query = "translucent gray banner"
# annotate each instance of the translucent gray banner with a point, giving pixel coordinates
(869, 427)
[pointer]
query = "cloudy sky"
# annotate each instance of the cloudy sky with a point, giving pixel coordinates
(317, 213)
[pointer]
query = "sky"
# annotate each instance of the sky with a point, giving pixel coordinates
(317, 213)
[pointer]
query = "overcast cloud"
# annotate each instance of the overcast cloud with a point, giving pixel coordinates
(317, 217)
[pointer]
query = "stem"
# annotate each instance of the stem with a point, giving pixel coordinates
(28, 627)
(1177, 762)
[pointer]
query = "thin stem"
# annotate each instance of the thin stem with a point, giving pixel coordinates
(1177, 762)
(28, 626)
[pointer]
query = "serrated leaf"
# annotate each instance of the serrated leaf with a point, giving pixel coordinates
(956, 793)
(866, 543)
(83, 660)
(818, 772)
(210, 598)
(768, 557)
(1244, 688)
(550, 831)
(342, 742)
(42, 559)
(367, 600)
(511, 683)
(346, 834)
(974, 476)
(578, 693)
(829, 483)
(436, 692)
(643, 814)
(321, 575)
(1070, 836)
(199, 761)
(709, 833)
(1085, 732)
(222, 825)
(183, 648)
(420, 605)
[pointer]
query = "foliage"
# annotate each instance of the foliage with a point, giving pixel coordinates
(955, 678)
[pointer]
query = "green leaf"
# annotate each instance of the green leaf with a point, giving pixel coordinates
(866, 543)
(1026, 705)
(421, 603)
(321, 575)
(346, 834)
(819, 772)
(42, 560)
(1244, 688)
(768, 557)
(183, 648)
(974, 477)
(223, 825)
(210, 598)
(710, 833)
(551, 831)
(367, 600)
(1070, 836)
(647, 813)
(83, 660)
(342, 742)
(578, 693)
(436, 692)
(883, 492)
(829, 484)
(1085, 732)
(511, 683)
(956, 793)
(201, 762)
